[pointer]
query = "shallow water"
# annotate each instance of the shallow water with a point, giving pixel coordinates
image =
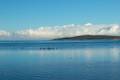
(66, 60)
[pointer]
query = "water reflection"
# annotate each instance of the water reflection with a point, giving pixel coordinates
(88, 54)
(84, 54)
(66, 64)
(115, 54)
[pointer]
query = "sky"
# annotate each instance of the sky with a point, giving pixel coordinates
(22, 15)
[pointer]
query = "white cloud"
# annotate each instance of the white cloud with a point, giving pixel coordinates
(43, 33)
(4, 33)
(70, 30)
(64, 31)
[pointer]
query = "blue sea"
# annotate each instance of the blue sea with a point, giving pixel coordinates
(60, 60)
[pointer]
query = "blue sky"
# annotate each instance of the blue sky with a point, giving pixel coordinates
(24, 14)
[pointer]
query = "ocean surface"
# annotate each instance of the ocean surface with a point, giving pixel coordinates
(60, 60)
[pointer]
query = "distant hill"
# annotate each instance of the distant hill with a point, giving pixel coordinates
(89, 37)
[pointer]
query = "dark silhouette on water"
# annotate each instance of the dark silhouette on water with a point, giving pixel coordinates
(47, 48)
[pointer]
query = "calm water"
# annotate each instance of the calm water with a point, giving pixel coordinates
(60, 60)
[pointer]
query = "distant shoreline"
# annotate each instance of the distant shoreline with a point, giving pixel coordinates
(90, 37)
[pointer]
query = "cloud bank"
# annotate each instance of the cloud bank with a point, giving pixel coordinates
(4, 33)
(52, 32)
